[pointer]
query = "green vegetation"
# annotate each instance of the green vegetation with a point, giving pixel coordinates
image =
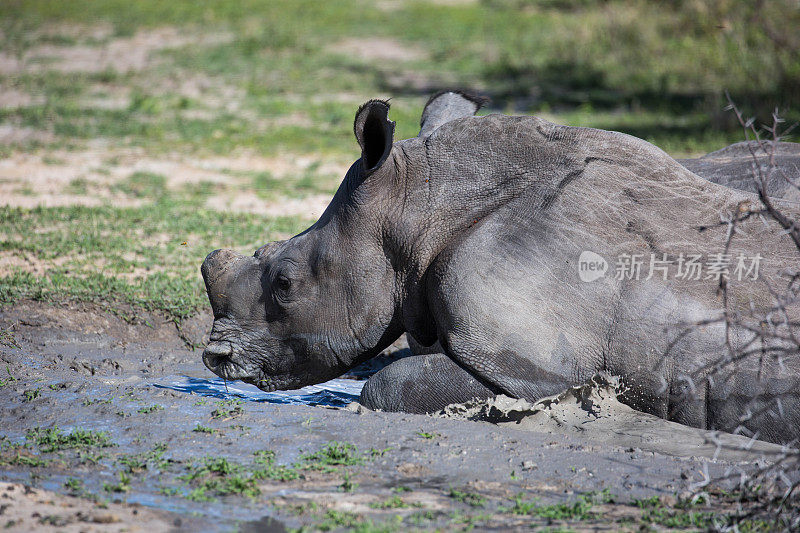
(472, 499)
(267, 469)
(577, 510)
(7, 339)
(169, 491)
(347, 485)
(22, 459)
(395, 502)
(10, 379)
(332, 455)
(53, 440)
(628, 56)
(124, 484)
(204, 429)
(215, 477)
(136, 463)
(227, 409)
(31, 394)
(428, 436)
(150, 409)
(420, 518)
(334, 520)
(93, 401)
(144, 263)
(74, 485)
(282, 79)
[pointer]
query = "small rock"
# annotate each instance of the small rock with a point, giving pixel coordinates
(106, 519)
(529, 465)
(355, 407)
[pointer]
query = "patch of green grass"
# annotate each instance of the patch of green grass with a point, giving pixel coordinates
(428, 436)
(150, 409)
(599, 497)
(347, 485)
(31, 394)
(93, 401)
(374, 452)
(10, 379)
(217, 476)
(7, 339)
(23, 459)
(227, 409)
(78, 186)
(680, 519)
(74, 485)
(135, 463)
(143, 185)
(124, 484)
(204, 429)
(267, 469)
(53, 440)
(332, 455)
(621, 57)
(143, 261)
(90, 456)
(53, 520)
(577, 510)
(420, 518)
(473, 499)
(646, 503)
(310, 181)
(394, 502)
(340, 519)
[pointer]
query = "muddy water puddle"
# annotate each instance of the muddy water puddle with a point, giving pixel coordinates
(335, 393)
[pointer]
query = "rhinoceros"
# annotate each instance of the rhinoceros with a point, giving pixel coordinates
(737, 166)
(534, 255)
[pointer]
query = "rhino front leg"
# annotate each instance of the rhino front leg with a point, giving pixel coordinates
(421, 384)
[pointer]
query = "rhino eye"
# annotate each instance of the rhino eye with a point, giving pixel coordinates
(283, 283)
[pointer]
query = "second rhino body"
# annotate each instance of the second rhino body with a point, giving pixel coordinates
(472, 236)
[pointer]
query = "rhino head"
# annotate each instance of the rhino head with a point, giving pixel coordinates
(307, 309)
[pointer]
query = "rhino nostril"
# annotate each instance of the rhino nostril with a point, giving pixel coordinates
(219, 348)
(216, 353)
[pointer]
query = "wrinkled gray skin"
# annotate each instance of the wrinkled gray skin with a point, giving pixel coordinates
(469, 235)
(733, 166)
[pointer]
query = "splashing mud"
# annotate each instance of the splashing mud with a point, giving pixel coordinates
(593, 411)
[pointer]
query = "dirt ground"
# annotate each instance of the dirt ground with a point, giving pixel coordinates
(81, 367)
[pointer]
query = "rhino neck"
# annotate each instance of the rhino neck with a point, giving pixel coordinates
(465, 172)
(447, 187)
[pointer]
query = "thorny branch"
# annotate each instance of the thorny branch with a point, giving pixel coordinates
(771, 336)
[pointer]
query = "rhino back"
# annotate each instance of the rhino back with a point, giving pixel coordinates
(588, 186)
(734, 166)
(536, 196)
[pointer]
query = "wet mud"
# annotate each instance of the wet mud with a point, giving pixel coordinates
(112, 411)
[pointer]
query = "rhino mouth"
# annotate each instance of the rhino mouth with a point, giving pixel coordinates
(218, 357)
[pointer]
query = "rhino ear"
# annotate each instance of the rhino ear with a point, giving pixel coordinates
(445, 106)
(375, 134)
